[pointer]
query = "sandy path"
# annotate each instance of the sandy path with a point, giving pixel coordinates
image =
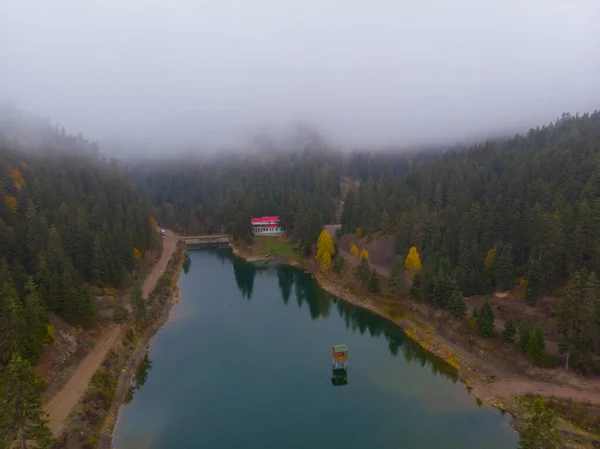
(509, 388)
(60, 405)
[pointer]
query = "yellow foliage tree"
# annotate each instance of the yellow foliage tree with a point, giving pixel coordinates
(325, 250)
(490, 258)
(364, 254)
(17, 177)
(359, 233)
(413, 261)
(11, 202)
(136, 254)
(325, 243)
(153, 223)
(354, 250)
(324, 259)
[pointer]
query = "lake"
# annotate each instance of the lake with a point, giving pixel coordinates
(246, 362)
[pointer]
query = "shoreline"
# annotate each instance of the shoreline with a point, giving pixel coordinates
(421, 333)
(127, 375)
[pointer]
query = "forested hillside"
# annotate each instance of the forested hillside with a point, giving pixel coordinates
(221, 195)
(68, 221)
(524, 211)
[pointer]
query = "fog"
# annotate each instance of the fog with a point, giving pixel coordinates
(208, 74)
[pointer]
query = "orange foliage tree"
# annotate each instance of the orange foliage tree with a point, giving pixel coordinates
(136, 254)
(17, 177)
(11, 202)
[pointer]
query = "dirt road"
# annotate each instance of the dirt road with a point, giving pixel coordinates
(510, 388)
(60, 405)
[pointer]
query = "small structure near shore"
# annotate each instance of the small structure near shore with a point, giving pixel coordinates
(339, 375)
(340, 357)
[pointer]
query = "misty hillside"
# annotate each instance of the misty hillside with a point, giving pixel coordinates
(532, 203)
(67, 224)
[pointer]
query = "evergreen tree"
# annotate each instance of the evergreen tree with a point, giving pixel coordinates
(120, 313)
(374, 286)
(504, 268)
(12, 324)
(138, 303)
(22, 416)
(535, 278)
(397, 283)
(363, 272)
(524, 331)
(486, 319)
(36, 322)
(539, 427)
(456, 304)
(510, 329)
(416, 288)
(536, 346)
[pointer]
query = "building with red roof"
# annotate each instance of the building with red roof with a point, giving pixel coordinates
(267, 226)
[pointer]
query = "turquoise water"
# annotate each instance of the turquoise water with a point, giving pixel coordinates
(245, 362)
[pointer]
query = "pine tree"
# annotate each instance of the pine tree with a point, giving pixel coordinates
(416, 288)
(120, 313)
(22, 416)
(504, 268)
(12, 323)
(363, 271)
(413, 261)
(36, 320)
(486, 319)
(138, 303)
(456, 304)
(536, 346)
(386, 223)
(374, 286)
(397, 284)
(539, 427)
(535, 278)
(510, 329)
(524, 331)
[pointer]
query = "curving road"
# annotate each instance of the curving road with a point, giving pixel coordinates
(59, 407)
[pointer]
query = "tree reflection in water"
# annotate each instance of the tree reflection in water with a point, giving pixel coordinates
(141, 376)
(307, 290)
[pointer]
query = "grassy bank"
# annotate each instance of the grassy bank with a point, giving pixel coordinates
(91, 423)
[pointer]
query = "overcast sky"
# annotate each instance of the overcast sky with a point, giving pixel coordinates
(364, 72)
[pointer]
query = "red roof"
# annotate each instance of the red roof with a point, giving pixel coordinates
(265, 219)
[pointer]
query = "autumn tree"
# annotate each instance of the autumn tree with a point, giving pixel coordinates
(354, 250)
(22, 416)
(325, 250)
(364, 254)
(413, 261)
